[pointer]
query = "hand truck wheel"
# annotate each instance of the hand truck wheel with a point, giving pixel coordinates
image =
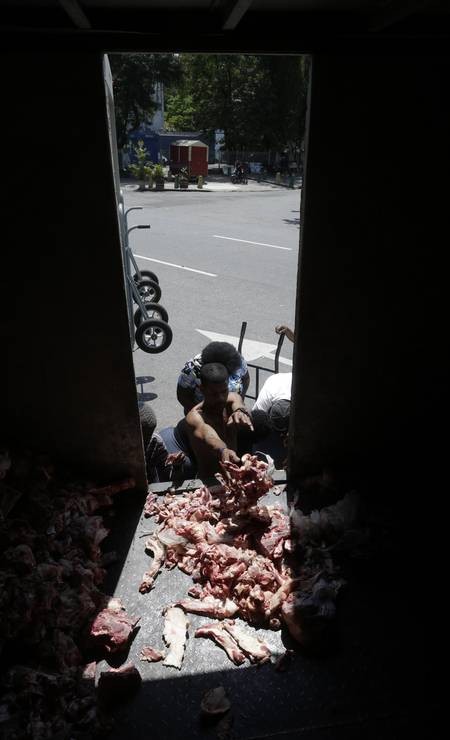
(146, 274)
(149, 290)
(153, 336)
(154, 310)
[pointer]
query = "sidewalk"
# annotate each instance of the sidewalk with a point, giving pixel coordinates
(214, 183)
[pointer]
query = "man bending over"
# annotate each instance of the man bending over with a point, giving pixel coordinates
(212, 424)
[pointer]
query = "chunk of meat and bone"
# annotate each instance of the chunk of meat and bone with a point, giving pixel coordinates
(308, 613)
(155, 546)
(200, 533)
(237, 642)
(174, 635)
(244, 484)
(243, 577)
(210, 607)
(255, 648)
(112, 629)
(50, 594)
(216, 632)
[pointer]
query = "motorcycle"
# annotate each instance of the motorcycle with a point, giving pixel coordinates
(239, 177)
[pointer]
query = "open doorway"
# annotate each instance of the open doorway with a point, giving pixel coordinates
(210, 148)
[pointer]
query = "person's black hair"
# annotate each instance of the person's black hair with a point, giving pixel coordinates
(213, 372)
(148, 422)
(222, 352)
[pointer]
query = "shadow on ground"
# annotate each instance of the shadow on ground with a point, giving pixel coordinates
(142, 394)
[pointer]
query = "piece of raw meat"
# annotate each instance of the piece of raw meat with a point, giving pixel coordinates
(215, 701)
(174, 635)
(210, 607)
(159, 551)
(118, 684)
(326, 524)
(150, 654)
(112, 629)
(256, 649)
(89, 671)
(307, 615)
(216, 632)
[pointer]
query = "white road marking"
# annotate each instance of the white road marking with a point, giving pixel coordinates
(251, 349)
(245, 241)
(171, 264)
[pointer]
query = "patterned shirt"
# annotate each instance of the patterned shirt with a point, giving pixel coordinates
(190, 377)
(155, 459)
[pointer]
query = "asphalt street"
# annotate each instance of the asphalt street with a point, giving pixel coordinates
(241, 249)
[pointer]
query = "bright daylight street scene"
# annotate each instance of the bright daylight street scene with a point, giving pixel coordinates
(221, 257)
(211, 198)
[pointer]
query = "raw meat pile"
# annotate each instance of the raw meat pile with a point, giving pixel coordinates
(239, 554)
(51, 567)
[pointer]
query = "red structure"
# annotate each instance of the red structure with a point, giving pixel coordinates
(191, 154)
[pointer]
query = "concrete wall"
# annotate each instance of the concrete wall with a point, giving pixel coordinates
(66, 371)
(371, 312)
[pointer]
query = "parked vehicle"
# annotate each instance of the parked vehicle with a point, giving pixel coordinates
(239, 176)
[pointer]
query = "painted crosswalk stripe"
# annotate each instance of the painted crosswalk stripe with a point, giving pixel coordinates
(246, 241)
(171, 264)
(251, 349)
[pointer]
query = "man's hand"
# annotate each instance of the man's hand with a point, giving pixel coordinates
(227, 455)
(175, 458)
(241, 419)
(283, 329)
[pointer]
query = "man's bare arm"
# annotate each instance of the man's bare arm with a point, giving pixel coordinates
(206, 439)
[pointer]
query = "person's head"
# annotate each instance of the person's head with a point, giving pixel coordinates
(148, 422)
(224, 353)
(279, 416)
(214, 385)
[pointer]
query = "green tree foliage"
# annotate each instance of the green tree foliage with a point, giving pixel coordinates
(134, 78)
(179, 111)
(259, 101)
(285, 86)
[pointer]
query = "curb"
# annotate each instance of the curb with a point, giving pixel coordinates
(277, 184)
(192, 190)
(224, 189)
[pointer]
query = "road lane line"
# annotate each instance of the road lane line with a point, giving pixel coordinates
(171, 264)
(245, 241)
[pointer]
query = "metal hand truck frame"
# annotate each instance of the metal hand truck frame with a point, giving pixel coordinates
(260, 368)
(148, 326)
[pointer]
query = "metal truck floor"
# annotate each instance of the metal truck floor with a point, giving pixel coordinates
(368, 685)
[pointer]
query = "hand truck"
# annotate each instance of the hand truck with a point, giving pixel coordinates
(149, 326)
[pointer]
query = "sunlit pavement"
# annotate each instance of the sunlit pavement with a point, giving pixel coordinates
(214, 186)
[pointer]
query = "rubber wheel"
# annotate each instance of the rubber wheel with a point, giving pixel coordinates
(146, 274)
(149, 291)
(153, 336)
(154, 310)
